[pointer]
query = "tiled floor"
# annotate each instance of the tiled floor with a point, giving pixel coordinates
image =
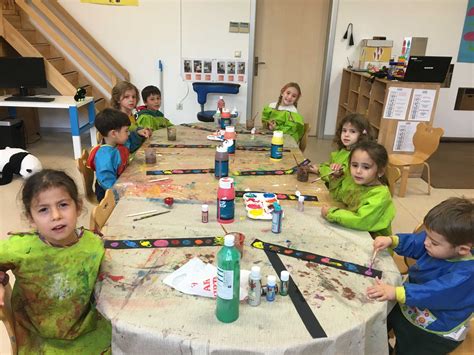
(55, 151)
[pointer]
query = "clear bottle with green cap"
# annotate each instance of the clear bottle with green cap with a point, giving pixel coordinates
(228, 281)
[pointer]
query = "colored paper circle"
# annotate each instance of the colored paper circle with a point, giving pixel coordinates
(161, 243)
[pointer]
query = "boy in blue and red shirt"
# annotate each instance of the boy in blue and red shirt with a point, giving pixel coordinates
(110, 158)
(436, 304)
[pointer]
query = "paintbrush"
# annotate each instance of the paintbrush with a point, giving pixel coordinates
(161, 179)
(141, 213)
(319, 178)
(368, 272)
(223, 228)
(296, 160)
(150, 215)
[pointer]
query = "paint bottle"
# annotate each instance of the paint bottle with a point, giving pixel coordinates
(221, 162)
(228, 281)
(276, 152)
(220, 104)
(230, 136)
(300, 203)
(225, 119)
(225, 200)
(217, 118)
(284, 282)
(277, 216)
(204, 213)
(255, 286)
(271, 288)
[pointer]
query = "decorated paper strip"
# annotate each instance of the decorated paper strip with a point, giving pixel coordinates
(315, 258)
(163, 243)
(254, 148)
(280, 196)
(299, 301)
(239, 131)
(179, 171)
(269, 172)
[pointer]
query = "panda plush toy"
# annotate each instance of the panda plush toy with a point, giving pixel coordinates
(80, 94)
(17, 161)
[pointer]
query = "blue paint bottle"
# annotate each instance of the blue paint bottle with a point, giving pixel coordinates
(277, 216)
(271, 288)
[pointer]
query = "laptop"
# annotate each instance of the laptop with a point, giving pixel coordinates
(427, 69)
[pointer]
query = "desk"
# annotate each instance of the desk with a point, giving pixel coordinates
(63, 102)
(149, 317)
(203, 187)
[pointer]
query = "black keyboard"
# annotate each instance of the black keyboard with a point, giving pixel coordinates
(29, 98)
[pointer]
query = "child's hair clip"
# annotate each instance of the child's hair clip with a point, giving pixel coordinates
(364, 131)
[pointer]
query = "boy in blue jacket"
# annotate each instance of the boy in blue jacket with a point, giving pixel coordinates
(109, 160)
(435, 305)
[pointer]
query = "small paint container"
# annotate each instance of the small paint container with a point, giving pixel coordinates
(302, 173)
(150, 156)
(284, 282)
(300, 203)
(271, 288)
(169, 202)
(171, 133)
(205, 213)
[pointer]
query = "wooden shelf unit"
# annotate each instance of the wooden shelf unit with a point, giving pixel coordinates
(359, 95)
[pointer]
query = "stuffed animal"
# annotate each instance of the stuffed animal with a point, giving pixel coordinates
(80, 94)
(17, 161)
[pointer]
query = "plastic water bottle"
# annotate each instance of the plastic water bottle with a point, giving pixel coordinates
(276, 152)
(225, 200)
(221, 162)
(228, 281)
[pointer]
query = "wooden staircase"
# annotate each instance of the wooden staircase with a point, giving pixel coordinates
(73, 59)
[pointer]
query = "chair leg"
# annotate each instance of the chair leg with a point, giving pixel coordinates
(429, 177)
(404, 181)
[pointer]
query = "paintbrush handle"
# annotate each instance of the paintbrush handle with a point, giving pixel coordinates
(150, 215)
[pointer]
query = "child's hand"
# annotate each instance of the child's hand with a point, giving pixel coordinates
(338, 170)
(381, 243)
(2, 295)
(381, 291)
(324, 210)
(144, 132)
(313, 169)
(271, 125)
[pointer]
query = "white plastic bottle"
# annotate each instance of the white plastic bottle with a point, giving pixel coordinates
(255, 286)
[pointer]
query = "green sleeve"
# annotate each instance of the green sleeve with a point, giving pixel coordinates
(8, 253)
(374, 212)
(266, 114)
(153, 122)
(340, 157)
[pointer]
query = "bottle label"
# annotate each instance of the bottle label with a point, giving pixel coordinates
(221, 168)
(276, 151)
(225, 284)
(271, 290)
(225, 209)
(231, 148)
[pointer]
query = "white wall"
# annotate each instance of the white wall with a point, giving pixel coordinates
(137, 37)
(440, 20)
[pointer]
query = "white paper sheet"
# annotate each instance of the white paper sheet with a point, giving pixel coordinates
(397, 103)
(404, 137)
(422, 105)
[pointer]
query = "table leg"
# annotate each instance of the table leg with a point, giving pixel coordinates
(92, 131)
(75, 132)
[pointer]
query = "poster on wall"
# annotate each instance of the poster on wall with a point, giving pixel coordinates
(466, 48)
(214, 70)
(113, 2)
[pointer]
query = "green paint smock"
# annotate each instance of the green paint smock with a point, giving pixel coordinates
(369, 208)
(153, 119)
(291, 123)
(52, 297)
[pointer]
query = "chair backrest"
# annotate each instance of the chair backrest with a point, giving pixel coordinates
(101, 213)
(392, 174)
(202, 89)
(6, 316)
(426, 140)
(304, 139)
(87, 177)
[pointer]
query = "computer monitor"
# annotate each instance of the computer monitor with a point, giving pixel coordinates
(23, 73)
(427, 69)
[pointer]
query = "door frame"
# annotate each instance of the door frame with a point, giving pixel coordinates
(328, 53)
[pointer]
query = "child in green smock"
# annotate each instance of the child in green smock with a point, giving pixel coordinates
(150, 116)
(283, 115)
(350, 130)
(364, 192)
(55, 268)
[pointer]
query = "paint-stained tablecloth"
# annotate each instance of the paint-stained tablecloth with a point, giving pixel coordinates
(149, 317)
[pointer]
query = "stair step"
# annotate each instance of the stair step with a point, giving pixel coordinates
(15, 20)
(43, 48)
(72, 77)
(99, 104)
(58, 63)
(33, 36)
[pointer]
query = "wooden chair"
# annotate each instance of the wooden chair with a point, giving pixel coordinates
(426, 141)
(101, 213)
(304, 139)
(6, 316)
(87, 177)
(393, 174)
